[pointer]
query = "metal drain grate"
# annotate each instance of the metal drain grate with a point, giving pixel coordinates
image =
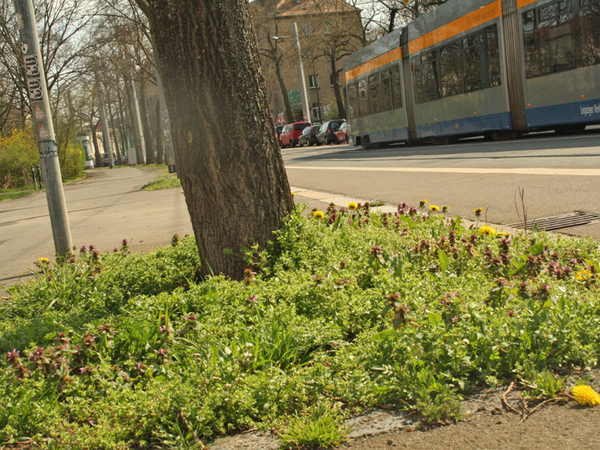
(574, 219)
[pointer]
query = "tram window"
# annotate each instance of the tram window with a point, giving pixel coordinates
(362, 98)
(415, 64)
(386, 91)
(590, 32)
(451, 70)
(353, 101)
(396, 87)
(472, 55)
(555, 31)
(493, 56)
(374, 94)
(532, 65)
(429, 76)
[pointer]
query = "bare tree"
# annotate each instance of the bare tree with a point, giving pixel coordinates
(64, 43)
(268, 37)
(342, 35)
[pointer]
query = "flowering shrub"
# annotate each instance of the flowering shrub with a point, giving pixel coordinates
(19, 151)
(342, 313)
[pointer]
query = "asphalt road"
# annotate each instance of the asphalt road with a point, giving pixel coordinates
(559, 175)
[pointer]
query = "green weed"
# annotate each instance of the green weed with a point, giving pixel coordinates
(343, 313)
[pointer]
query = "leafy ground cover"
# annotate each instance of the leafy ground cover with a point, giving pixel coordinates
(346, 310)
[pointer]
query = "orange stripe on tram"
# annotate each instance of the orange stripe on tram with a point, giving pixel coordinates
(521, 3)
(374, 64)
(464, 23)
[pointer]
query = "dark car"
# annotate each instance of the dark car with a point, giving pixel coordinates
(327, 132)
(309, 136)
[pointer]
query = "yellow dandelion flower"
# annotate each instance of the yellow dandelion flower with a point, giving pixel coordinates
(293, 194)
(318, 215)
(584, 275)
(434, 208)
(586, 396)
(352, 206)
(43, 260)
(503, 234)
(422, 203)
(478, 211)
(486, 230)
(445, 208)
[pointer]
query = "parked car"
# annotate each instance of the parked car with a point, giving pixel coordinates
(309, 136)
(291, 133)
(327, 132)
(342, 134)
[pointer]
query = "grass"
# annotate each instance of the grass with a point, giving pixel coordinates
(8, 194)
(163, 182)
(338, 315)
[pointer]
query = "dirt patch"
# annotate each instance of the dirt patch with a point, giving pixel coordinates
(554, 427)
(489, 424)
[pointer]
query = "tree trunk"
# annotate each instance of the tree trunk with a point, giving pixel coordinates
(158, 133)
(230, 166)
(148, 135)
(289, 112)
(114, 130)
(135, 131)
(336, 86)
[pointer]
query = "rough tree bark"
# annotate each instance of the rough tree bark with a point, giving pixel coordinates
(336, 86)
(230, 166)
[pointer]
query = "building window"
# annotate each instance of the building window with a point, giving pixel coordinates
(307, 29)
(316, 112)
(313, 83)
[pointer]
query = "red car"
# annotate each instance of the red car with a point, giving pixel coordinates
(291, 133)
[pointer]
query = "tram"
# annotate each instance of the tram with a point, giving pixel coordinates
(478, 67)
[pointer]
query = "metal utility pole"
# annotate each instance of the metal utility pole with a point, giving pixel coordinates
(42, 122)
(303, 91)
(105, 132)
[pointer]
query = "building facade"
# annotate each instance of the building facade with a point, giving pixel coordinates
(329, 30)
